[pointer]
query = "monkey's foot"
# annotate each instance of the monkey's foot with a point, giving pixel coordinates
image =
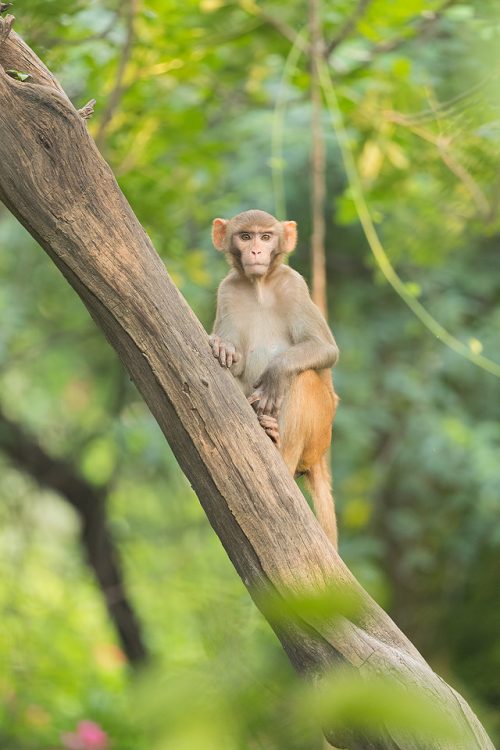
(270, 427)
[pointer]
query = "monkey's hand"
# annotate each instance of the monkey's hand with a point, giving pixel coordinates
(270, 427)
(269, 393)
(224, 351)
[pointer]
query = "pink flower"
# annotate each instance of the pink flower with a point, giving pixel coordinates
(88, 736)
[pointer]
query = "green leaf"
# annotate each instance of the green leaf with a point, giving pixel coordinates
(18, 76)
(413, 289)
(345, 700)
(475, 346)
(461, 12)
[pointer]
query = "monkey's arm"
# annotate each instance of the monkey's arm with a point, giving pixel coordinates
(224, 340)
(313, 348)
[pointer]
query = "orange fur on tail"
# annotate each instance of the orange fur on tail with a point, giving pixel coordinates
(306, 432)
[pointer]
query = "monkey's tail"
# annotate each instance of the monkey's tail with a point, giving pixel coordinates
(320, 485)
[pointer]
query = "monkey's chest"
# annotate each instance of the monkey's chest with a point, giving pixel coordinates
(266, 338)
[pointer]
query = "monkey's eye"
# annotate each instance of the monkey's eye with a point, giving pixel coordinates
(265, 237)
(245, 236)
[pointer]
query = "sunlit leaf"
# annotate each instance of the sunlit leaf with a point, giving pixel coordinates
(371, 160)
(413, 289)
(346, 701)
(18, 76)
(475, 346)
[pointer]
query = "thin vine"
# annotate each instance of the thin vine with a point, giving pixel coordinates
(360, 202)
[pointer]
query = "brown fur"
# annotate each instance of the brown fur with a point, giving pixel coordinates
(279, 348)
(305, 445)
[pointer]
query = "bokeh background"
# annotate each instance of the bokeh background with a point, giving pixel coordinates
(200, 115)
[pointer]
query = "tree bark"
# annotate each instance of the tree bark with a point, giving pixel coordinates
(318, 162)
(90, 505)
(55, 181)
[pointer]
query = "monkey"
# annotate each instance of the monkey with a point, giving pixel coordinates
(278, 346)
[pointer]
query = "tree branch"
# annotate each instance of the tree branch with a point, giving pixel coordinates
(286, 31)
(283, 28)
(444, 148)
(424, 23)
(90, 505)
(87, 111)
(318, 162)
(117, 92)
(348, 27)
(55, 181)
(95, 37)
(5, 28)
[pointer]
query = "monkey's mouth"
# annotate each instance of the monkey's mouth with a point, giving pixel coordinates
(256, 269)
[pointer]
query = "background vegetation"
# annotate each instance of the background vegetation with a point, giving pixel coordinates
(186, 113)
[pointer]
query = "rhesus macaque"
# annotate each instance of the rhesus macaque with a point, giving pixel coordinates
(277, 344)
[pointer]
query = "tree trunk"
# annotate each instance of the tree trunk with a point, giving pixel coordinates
(54, 180)
(90, 504)
(318, 162)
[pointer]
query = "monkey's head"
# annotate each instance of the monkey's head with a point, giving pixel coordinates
(254, 241)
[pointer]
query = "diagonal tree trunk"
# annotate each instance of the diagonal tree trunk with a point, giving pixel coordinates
(54, 180)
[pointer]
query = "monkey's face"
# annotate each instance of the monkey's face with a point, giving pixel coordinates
(254, 241)
(256, 247)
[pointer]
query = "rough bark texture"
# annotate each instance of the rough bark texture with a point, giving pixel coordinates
(90, 505)
(54, 180)
(318, 163)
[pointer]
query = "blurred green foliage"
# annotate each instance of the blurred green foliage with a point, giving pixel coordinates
(417, 435)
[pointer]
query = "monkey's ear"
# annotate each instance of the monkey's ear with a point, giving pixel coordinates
(219, 227)
(289, 235)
